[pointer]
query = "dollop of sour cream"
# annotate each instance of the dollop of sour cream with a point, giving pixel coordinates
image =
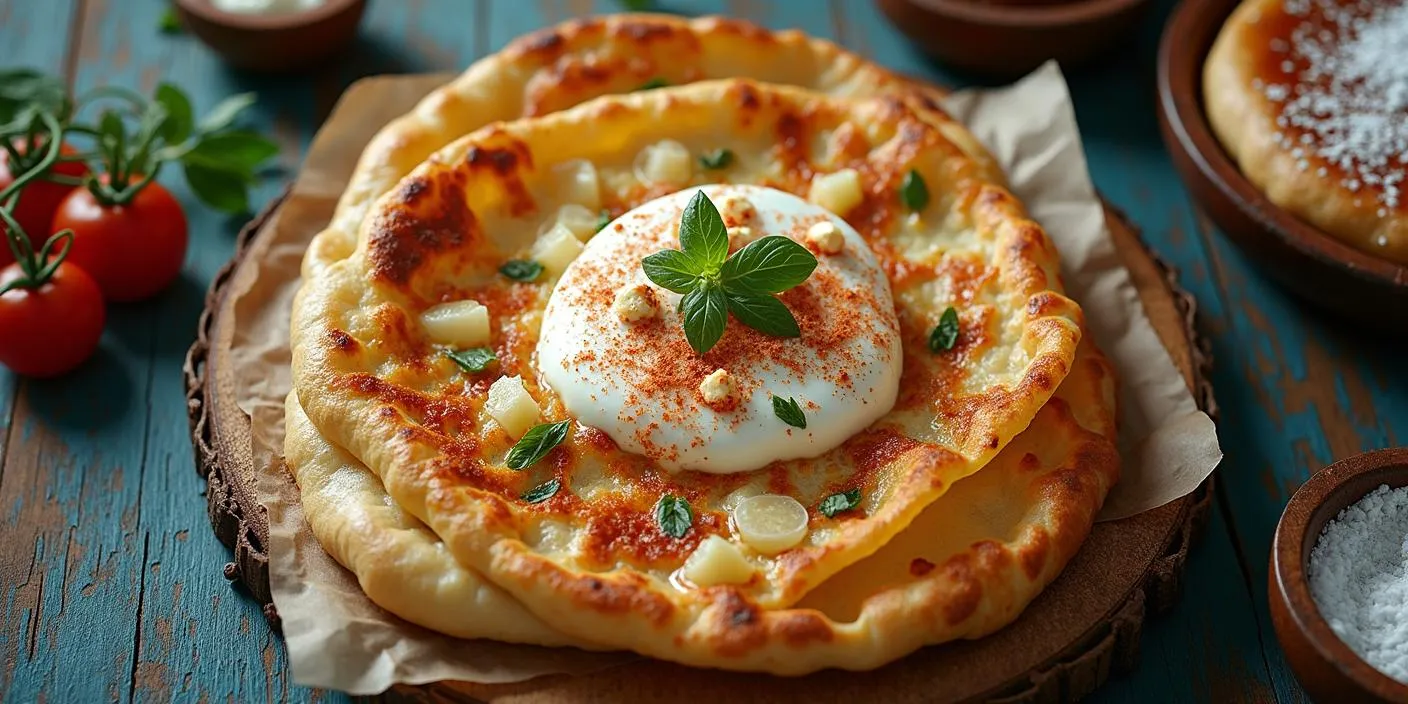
(639, 381)
(265, 7)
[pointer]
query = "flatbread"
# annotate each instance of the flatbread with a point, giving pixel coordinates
(371, 382)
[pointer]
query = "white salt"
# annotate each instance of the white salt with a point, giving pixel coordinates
(1359, 578)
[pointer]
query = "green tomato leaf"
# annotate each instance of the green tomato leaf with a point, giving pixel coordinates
(521, 269)
(764, 314)
(170, 22)
(239, 151)
(945, 334)
(703, 236)
(674, 515)
(180, 118)
(840, 503)
(224, 113)
(473, 360)
(772, 264)
(536, 443)
(790, 412)
(705, 313)
(717, 159)
(913, 191)
(24, 89)
(221, 190)
(542, 492)
(671, 269)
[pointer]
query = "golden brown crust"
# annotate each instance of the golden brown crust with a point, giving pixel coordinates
(396, 404)
(1243, 62)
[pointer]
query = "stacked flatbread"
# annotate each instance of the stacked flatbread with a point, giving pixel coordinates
(959, 504)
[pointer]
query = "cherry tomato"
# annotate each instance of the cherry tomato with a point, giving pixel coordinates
(38, 201)
(52, 329)
(134, 250)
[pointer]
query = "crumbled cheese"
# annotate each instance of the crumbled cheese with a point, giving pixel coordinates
(511, 406)
(577, 182)
(740, 236)
(839, 192)
(665, 162)
(826, 237)
(717, 561)
(557, 248)
(737, 210)
(635, 303)
(579, 219)
(717, 388)
(458, 324)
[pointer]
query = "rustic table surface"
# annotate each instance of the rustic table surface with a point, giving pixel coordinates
(109, 573)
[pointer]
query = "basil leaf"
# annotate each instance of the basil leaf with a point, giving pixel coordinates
(705, 313)
(521, 269)
(703, 236)
(24, 89)
(717, 159)
(221, 190)
(671, 269)
(840, 503)
(772, 264)
(542, 492)
(653, 83)
(225, 112)
(180, 119)
(241, 152)
(170, 22)
(764, 314)
(603, 220)
(674, 515)
(945, 334)
(536, 443)
(913, 192)
(788, 411)
(473, 360)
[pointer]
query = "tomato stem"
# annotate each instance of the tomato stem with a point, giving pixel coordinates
(37, 268)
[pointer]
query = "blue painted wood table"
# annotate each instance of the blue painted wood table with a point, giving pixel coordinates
(110, 575)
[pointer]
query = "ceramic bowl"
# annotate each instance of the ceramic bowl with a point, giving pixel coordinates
(1304, 259)
(273, 43)
(1005, 38)
(1324, 665)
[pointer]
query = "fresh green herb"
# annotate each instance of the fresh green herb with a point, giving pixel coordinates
(24, 92)
(913, 192)
(473, 360)
(170, 22)
(674, 515)
(945, 334)
(536, 443)
(639, 5)
(542, 492)
(789, 412)
(714, 284)
(840, 503)
(521, 269)
(653, 83)
(603, 220)
(717, 159)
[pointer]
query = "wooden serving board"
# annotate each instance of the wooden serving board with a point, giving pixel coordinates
(1081, 629)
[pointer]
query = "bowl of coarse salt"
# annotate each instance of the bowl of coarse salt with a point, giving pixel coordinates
(1338, 582)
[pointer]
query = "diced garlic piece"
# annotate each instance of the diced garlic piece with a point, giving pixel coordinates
(839, 192)
(771, 523)
(579, 219)
(665, 162)
(741, 236)
(577, 182)
(557, 248)
(457, 324)
(737, 210)
(511, 405)
(718, 388)
(636, 302)
(717, 561)
(826, 237)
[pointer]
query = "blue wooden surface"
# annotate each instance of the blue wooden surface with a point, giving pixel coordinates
(110, 585)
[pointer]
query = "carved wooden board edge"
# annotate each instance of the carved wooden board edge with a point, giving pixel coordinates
(1112, 646)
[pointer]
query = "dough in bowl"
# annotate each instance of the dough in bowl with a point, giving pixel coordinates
(629, 548)
(1310, 97)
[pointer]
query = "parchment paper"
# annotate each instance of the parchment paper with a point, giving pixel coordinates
(337, 638)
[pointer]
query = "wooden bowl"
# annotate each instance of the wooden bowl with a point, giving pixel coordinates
(1004, 38)
(1304, 259)
(1325, 666)
(279, 42)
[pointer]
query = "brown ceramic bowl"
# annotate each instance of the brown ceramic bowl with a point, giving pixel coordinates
(1304, 259)
(1006, 38)
(279, 42)
(1323, 664)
